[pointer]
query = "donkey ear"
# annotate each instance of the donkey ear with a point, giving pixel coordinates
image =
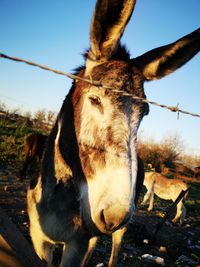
(108, 24)
(161, 61)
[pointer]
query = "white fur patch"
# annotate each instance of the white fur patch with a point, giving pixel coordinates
(62, 170)
(113, 184)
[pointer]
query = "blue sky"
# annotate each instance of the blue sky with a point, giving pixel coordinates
(56, 33)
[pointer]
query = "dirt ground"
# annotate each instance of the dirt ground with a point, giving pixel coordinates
(174, 245)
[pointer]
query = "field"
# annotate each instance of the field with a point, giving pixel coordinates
(176, 245)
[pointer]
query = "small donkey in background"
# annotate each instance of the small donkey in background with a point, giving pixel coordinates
(88, 182)
(33, 149)
(168, 189)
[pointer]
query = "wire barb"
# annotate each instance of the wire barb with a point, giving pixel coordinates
(99, 84)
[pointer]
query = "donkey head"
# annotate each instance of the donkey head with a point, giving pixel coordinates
(106, 122)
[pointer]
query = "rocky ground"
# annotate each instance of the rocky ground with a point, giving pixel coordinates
(174, 245)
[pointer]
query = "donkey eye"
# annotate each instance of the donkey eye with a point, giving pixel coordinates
(95, 100)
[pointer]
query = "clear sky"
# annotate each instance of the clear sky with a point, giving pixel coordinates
(56, 33)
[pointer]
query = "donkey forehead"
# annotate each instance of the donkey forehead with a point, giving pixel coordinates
(119, 75)
(114, 75)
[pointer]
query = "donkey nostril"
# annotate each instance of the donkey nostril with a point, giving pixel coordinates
(102, 217)
(105, 219)
(111, 220)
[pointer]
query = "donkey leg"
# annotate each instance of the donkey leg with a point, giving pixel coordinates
(43, 248)
(180, 213)
(42, 245)
(183, 214)
(146, 197)
(149, 196)
(116, 244)
(88, 254)
(74, 251)
(151, 200)
(23, 172)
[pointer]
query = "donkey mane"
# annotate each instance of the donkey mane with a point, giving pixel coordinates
(121, 53)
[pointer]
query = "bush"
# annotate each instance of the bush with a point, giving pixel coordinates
(160, 155)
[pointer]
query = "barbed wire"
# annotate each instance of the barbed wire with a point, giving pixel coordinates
(99, 84)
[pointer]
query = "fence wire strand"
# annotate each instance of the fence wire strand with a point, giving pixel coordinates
(99, 84)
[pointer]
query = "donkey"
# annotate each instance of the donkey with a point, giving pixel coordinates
(88, 180)
(33, 148)
(168, 189)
